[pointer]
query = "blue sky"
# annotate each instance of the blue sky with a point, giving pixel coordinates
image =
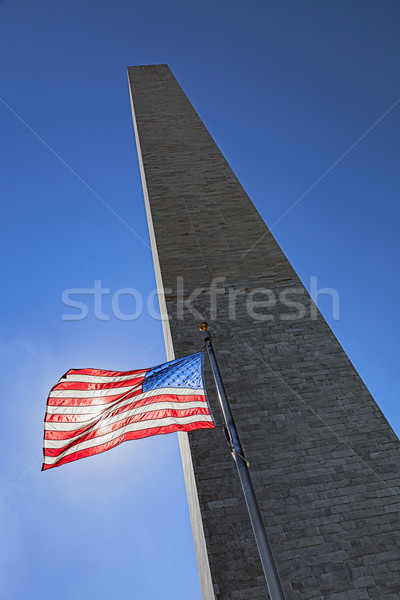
(286, 89)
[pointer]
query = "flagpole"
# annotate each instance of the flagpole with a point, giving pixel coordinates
(264, 548)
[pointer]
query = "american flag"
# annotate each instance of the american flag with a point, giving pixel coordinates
(90, 411)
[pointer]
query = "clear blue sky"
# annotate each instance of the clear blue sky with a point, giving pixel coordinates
(285, 88)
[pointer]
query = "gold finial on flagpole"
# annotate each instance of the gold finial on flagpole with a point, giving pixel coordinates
(204, 327)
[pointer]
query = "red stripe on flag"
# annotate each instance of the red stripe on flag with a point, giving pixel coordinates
(96, 429)
(101, 373)
(132, 435)
(85, 385)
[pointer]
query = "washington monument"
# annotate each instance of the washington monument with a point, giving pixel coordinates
(325, 463)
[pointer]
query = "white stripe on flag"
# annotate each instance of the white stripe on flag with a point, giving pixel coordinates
(97, 408)
(57, 426)
(94, 393)
(100, 378)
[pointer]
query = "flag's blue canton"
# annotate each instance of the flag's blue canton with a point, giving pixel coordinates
(182, 372)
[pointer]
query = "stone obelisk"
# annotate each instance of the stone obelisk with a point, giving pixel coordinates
(324, 461)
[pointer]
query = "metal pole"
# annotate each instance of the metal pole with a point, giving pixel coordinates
(267, 558)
